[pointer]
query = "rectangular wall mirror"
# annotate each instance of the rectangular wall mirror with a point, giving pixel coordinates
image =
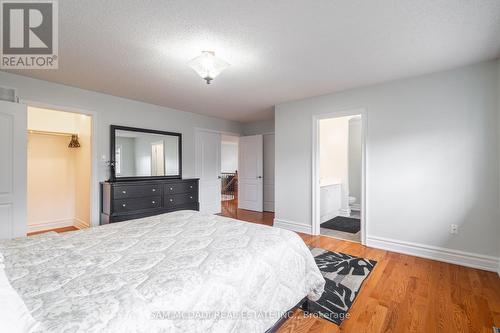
(138, 153)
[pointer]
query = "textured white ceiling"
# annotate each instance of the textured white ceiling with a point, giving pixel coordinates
(279, 50)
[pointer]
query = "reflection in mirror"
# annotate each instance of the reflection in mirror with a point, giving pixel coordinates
(140, 154)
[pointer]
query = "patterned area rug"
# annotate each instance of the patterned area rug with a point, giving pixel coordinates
(344, 275)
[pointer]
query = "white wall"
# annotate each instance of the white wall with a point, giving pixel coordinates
(431, 159)
(355, 153)
(51, 182)
(334, 155)
(83, 169)
(120, 111)
(258, 127)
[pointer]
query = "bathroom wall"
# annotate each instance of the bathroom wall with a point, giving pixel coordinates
(334, 154)
(355, 154)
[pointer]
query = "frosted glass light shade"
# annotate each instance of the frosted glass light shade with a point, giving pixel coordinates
(207, 65)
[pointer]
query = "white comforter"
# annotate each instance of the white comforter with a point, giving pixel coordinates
(176, 272)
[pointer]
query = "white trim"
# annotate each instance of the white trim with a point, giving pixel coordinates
(293, 226)
(80, 224)
(94, 176)
(46, 225)
(315, 185)
(451, 256)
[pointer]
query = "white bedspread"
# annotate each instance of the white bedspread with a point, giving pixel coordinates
(162, 274)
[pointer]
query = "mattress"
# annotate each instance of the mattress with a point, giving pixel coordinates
(176, 272)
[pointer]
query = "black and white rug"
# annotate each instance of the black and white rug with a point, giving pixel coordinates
(344, 275)
(341, 223)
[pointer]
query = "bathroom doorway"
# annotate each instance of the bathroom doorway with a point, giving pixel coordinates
(59, 158)
(338, 164)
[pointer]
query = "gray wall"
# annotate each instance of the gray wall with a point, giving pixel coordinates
(119, 111)
(498, 140)
(431, 158)
(258, 127)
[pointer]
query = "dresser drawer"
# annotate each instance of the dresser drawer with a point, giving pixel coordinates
(134, 204)
(184, 187)
(136, 191)
(180, 199)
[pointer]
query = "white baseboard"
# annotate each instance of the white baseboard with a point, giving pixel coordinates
(293, 226)
(474, 260)
(80, 224)
(46, 225)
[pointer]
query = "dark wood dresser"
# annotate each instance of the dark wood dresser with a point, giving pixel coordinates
(132, 199)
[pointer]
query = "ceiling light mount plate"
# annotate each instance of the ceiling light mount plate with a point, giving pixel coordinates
(208, 66)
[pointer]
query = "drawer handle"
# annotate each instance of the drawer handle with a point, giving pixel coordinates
(154, 190)
(190, 197)
(153, 202)
(171, 200)
(171, 189)
(124, 205)
(190, 186)
(124, 192)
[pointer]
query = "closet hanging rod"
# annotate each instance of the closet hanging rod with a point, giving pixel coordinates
(51, 133)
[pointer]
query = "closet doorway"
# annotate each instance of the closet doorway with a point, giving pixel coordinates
(59, 170)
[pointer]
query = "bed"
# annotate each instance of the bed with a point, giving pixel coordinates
(177, 272)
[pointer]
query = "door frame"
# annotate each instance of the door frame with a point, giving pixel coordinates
(315, 176)
(94, 155)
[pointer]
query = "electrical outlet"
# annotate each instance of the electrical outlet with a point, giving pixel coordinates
(454, 229)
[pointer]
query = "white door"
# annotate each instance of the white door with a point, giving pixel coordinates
(208, 146)
(250, 182)
(269, 172)
(13, 169)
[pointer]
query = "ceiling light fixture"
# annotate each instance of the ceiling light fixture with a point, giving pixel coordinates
(208, 66)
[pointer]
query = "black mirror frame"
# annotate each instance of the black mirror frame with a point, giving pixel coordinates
(114, 128)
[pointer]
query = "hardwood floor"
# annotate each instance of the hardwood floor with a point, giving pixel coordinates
(230, 209)
(64, 229)
(403, 293)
